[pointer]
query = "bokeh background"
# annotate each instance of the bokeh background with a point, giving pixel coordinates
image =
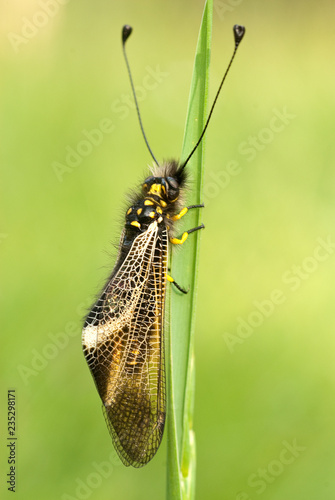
(265, 406)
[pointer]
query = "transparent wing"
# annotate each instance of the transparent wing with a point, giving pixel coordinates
(124, 348)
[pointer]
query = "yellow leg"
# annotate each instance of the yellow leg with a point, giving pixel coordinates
(181, 214)
(171, 280)
(177, 241)
(184, 211)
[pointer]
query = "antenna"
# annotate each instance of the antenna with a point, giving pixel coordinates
(126, 32)
(238, 35)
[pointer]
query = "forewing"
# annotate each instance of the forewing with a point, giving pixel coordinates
(124, 348)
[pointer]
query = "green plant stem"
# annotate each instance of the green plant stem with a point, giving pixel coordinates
(180, 331)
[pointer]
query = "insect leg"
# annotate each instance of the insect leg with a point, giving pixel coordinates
(185, 210)
(177, 241)
(171, 280)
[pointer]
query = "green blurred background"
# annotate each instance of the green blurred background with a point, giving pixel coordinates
(265, 405)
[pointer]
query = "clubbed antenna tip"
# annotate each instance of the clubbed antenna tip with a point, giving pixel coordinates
(238, 33)
(126, 32)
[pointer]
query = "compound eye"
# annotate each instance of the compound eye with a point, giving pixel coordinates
(173, 188)
(172, 182)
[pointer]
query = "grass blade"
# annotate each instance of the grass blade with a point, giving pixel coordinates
(180, 357)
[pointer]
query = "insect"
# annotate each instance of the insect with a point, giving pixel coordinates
(123, 335)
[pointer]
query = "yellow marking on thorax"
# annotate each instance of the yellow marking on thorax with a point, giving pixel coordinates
(152, 201)
(156, 189)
